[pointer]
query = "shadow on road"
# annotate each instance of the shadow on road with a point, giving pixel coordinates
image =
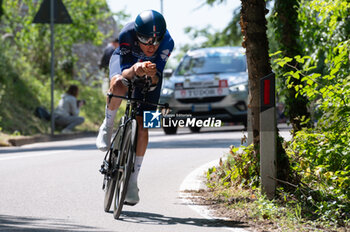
(159, 219)
(213, 130)
(32, 224)
(50, 148)
(194, 143)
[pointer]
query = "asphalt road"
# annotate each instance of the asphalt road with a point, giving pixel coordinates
(56, 186)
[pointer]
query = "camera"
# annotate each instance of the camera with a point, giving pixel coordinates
(81, 102)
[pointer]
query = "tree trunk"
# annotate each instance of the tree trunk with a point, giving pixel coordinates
(1, 9)
(287, 35)
(253, 24)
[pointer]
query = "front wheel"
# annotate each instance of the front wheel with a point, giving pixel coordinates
(110, 187)
(124, 166)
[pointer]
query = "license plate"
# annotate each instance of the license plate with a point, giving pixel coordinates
(200, 93)
(202, 84)
(201, 108)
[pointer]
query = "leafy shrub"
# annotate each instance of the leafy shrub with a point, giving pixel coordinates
(321, 155)
(22, 93)
(240, 168)
(25, 62)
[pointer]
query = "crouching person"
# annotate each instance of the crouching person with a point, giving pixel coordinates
(66, 114)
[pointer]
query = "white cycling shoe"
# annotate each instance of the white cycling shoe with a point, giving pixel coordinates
(104, 136)
(132, 194)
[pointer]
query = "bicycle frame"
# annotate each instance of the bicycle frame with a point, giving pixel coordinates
(119, 160)
(130, 114)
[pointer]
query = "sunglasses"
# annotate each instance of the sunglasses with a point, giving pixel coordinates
(149, 40)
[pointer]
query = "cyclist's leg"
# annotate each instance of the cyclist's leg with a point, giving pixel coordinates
(142, 137)
(112, 105)
(105, 133)
(152, 97)
(132, 195)
(117, 88)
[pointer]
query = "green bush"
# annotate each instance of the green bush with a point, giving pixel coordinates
(321, 155)
(25, 63)
(23, 88)
(241, 167)
(21, 93)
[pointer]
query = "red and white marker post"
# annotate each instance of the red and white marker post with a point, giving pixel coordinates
(268, 140)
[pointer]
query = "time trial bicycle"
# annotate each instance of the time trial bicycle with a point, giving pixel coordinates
(118, 163)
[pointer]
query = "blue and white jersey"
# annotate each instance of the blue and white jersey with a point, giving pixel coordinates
(131, 53)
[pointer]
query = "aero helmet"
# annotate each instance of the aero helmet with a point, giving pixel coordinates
(150, 27)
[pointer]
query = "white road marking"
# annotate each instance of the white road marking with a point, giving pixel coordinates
(194, 181)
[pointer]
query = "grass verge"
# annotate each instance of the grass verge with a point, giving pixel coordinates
(233, 192)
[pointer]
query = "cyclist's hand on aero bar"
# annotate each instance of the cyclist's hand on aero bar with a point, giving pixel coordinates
(149, 68)
(139, 69)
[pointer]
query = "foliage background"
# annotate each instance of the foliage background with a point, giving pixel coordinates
(318, 173)
(25, 62)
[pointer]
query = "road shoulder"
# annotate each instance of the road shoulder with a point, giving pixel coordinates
(7, 140)
(195, 183)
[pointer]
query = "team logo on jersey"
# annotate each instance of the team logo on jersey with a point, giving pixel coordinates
(124, 51)
(165, 54)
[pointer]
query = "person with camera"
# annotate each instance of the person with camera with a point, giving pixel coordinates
(66, 114)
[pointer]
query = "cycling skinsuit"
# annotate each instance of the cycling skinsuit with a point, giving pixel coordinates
(130, 53)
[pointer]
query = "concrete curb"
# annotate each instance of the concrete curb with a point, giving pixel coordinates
(23, 140)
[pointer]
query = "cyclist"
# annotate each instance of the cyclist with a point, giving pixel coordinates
(145, 46)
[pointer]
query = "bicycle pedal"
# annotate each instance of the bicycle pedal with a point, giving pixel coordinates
(103, 171)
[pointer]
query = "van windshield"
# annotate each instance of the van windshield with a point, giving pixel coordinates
(191, 65)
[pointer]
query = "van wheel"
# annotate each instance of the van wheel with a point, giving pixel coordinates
(195, 129)
(245, 124)
(170, 130)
